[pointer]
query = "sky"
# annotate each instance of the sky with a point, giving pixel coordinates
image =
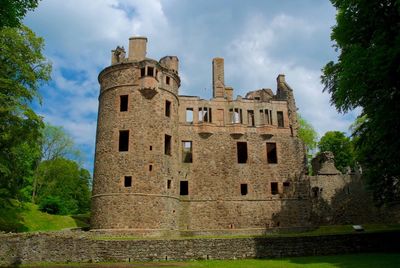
(257, 39)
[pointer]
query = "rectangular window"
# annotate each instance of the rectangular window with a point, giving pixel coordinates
(142, 72)
(236, 116)
(187, 152)
(150, 167)
(279, 116)
(262, 118)
(242, 152)
(123, 140)
(184, 188)
(272, 157)
(250, 118)
(189, 115)
(270, 118)
(167, 80)
(274, 188)
(150, 71)
(167, 144)
(243, 189)
(128, 181)
(167, 108)
(123, 103)
(266, 118)
(169, 184)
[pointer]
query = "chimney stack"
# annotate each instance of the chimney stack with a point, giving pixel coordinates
(137, 48)
(218, 78)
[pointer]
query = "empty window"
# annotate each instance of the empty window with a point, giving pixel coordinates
(169, 184)
(187, 152)
(272, 157)
(151, 148)
(315, 192)
(205, 114)
(189, 115)
(262, 117)
(270, 117)
(243, 189)
(250, 118)
(150, 167)
(242, 152)
(167, 108)
(123, 140)
(128, 181)
(280, 119)
(142, 72)
(274, 188)
(286, 184)
(123, 103)
(167, 144)
(150, 71)
(257, 98)
(167, 80)
(236, 115)
(184, 188)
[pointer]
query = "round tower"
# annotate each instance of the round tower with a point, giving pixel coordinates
(135, 175)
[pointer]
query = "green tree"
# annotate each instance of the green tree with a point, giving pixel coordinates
(367, 75)
(341, 147)
(23, 69)
(12, 11)
(62, 179)
(309, 136)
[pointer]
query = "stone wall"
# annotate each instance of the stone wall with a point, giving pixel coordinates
(64, 247)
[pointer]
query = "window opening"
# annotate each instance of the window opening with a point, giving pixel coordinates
(151, 148)
(279, 116)
(150, 167)
(187, 156)
(266, 118)
(150, 71)
(242, 152)
(123, 103)
(167, 144)
(250, 118)
(128, 181)
(167, 80)
(167, 108)
(189, 115)
(272, 157)
(142, 72)
(184, 188)
(262, 118)
(123, 140)
(270, 117)
(236, 115)
(168, 184)
(243, 189)
(286, 184)
(274, 188)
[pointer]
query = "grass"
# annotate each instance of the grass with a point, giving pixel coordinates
(374, 260)
(26, 217)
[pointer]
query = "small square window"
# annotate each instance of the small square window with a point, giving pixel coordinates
(128, 181)
(243, 189)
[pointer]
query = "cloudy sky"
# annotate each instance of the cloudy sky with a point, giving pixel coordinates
(258, 39)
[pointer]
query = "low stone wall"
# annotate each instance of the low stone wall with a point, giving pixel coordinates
(82, 247)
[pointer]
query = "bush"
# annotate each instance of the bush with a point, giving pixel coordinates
(51, 204)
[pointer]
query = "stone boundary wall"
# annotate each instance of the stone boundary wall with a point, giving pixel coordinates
(78, 247)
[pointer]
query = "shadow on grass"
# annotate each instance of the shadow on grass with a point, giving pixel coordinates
(11, 219)
(82, 221)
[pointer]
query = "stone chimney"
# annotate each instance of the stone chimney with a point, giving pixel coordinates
(137, 48)
(218, 78)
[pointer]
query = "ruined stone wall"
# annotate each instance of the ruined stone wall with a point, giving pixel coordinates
(18, 249)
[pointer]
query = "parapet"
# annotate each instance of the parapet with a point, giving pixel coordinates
(170, 62)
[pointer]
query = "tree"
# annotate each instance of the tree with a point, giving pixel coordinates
(367, 75)
(341, 147)
(309, 136)
(23, 69)
(12, 11)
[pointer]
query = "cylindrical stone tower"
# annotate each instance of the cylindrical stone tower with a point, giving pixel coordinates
(136, 175)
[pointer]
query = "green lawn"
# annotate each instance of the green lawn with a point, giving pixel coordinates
(26, 217)
(374, 260)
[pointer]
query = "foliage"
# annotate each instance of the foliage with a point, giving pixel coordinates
(50, 204)
(341, 147)
(63, 179)
(309, 136)
(12, 11)
(367, 75)
(23, 69)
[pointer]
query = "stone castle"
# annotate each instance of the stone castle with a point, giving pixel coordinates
(166, 162)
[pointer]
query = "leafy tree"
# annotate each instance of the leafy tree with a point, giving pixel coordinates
(23, 69)
(367, 75)
(309, 136)
(341, 147)
(63, 180)
(12, 11)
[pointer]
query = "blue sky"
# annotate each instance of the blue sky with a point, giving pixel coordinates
(258, 39)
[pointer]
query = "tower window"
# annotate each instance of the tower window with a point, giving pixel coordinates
(128, 181)
(272, 157)
(241, 152)
(169, 184)
(150, 71)
(123, 103)
(167, 108)
(243, 189)
(274, 188)
(167, 144)
(187, 156)
(184, 188)
(142, 72)
(123, 140)
(280, 119)
(167, 80)
(150, 167)
(189, 115)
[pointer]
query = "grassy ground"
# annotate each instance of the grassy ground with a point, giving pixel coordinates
(339, 261)
(26, 217)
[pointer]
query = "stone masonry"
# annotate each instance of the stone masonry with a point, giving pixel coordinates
(170, 162)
